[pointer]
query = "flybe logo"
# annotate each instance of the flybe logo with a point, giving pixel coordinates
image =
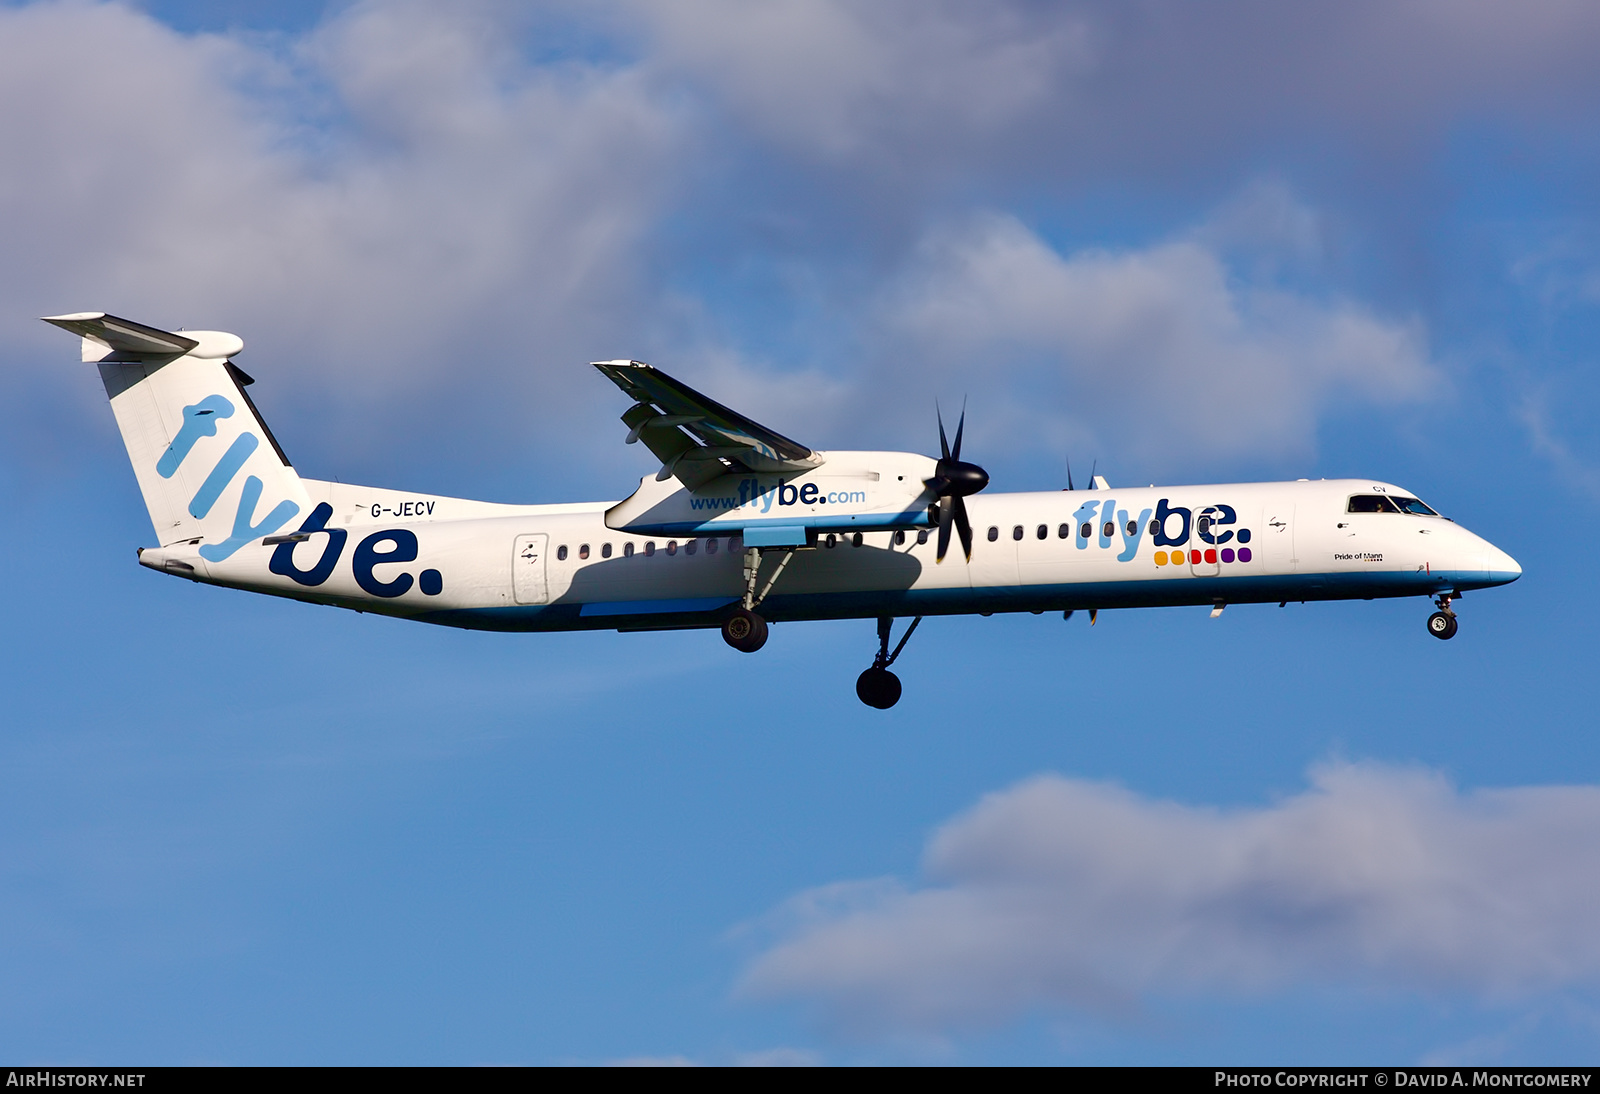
(200, 420)
(1215, 532)
(389, 545)
(754, 492)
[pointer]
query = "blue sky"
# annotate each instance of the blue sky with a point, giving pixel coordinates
(1244, 242)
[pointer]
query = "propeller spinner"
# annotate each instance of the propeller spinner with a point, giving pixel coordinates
(953, 480)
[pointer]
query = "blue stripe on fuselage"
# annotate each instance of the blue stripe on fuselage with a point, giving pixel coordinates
(1145, 593)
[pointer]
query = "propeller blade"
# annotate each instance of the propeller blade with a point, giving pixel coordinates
(944, 445)
(955, 453)
(944, 530)
(963, 525)
(1069, 475)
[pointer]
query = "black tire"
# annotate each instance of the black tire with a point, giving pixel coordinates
(1442, 625)
(878, 687)
(744, 631)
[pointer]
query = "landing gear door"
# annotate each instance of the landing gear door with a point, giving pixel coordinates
(528, 584)
(1203, 560)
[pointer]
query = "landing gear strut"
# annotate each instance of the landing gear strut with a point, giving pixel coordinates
(744, 630)
(1442, 623)
(878, 687)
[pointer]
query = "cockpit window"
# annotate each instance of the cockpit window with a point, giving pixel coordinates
(1371, 503)
(1412, 505)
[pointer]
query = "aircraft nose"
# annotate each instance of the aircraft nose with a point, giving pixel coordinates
(1503, 569)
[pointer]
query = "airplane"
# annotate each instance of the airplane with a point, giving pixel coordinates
(739, 527)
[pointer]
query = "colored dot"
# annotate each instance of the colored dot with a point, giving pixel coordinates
(1244, 554)
(1211, 556)
(430, 582)
(1161, 558)
(1194, 558)
(1227, 554)
(1244, 537)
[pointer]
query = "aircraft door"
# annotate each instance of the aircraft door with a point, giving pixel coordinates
(528, 584)
(1203, 559)
(1277, 538)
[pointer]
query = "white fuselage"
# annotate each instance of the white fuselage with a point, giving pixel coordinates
(559, 567)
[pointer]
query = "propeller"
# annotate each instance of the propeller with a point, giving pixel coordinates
(953, 480)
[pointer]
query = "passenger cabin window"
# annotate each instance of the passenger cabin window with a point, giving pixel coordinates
(627, 550)
(1044, 531)
(711, 546)
(899, 538)
(672, 546)
(605, 550)
(994, 533)
(649, 547)
(583, 550)
(922, 535)
(1413, 506)
(1065, 531)
(1016, 533)
(1133, 528)
(688, 548)
(561, 553)
(1109, 530)
(1371, 503)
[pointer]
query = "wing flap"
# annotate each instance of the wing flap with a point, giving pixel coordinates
(695, 437)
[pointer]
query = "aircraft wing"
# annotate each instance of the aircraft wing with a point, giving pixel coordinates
(696, 438)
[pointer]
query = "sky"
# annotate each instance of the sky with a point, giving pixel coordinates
(1178, 243)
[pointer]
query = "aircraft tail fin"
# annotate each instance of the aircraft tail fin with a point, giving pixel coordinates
(208, 466)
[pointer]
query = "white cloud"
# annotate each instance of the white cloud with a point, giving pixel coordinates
(396, 201)
(839, 79)
(1166, 350)
(1061, 893)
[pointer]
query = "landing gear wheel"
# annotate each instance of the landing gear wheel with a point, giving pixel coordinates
(1442, 625)
(745, 631)
(878, 687)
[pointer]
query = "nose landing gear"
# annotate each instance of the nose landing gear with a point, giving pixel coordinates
(1442, 623)
(877, 686)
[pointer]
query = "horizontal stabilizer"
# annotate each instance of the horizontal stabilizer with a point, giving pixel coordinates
(112, 338)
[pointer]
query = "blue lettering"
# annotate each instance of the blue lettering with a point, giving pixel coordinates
(282, 562)
(766, 498)
(222, 474)
(243, 531)
(787, 495)
(1163, 511)
(808, 494)
(1106, 526)
(1213, 516)
(1130, 544)
(367, 556)
(1081, 518)
(199, 420)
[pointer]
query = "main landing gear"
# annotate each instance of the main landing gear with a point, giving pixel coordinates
(878, 687)
(744, 630)
(1442, 623)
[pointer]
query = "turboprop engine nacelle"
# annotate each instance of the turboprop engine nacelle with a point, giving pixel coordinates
(848, 492)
